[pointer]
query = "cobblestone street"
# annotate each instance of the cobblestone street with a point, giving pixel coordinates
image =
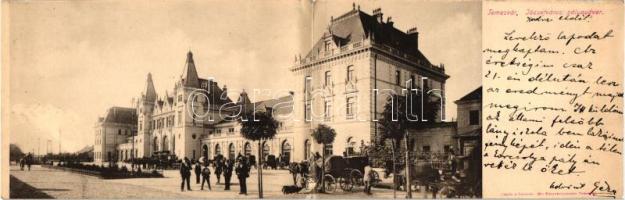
(63, 184)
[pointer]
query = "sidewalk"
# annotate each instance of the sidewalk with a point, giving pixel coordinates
(62, 184)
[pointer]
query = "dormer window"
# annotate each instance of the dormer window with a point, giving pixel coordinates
(328, 45)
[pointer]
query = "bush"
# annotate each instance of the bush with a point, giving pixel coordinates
(111, 172)
(124, 169)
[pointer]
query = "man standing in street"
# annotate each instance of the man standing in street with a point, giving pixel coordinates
(22, 163)
(198, 170)
(206, 177)
(242, 174)
(29, 160)
(185, 173)
(219, 164)
(227, 168)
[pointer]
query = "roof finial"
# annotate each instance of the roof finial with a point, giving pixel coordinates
(353, 6)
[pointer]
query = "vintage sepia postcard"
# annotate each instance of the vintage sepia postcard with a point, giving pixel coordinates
(300, 99)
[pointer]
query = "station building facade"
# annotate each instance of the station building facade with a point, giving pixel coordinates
(343, 81)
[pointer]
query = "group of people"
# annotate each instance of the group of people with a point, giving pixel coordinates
(26, 161)
(240, 166)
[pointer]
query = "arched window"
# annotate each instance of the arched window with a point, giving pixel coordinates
(286, 151)
(351, 146)
(265, 149)
(205, 151)
(307, 146)
(155, 144)
(248, 149)
(231, 154)
(165, 144)
(217, 149)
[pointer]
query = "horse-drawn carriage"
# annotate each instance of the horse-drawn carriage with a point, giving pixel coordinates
(458, 177)
(346, 172)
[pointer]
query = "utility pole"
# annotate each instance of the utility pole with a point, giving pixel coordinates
(132, 151)
(38, 146)
(60, 142)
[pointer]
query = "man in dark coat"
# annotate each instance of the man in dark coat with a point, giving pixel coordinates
(242, 171)
(22, 163)
(219, 165)
(185, 173)
(206, 177)
(198, 169)
(227, 168)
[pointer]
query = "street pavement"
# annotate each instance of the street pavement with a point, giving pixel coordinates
(64, 184)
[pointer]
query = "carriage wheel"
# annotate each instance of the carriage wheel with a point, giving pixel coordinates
(329, 183)
(346, 184)
(356, 178)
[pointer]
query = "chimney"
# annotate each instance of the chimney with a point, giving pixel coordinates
(377, 13)
(414, 34)
(389, 21)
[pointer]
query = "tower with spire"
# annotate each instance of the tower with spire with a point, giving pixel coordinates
(145, 111)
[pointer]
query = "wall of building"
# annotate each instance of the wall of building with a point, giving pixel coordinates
(464, 108)
(436, 138)
(113, 134)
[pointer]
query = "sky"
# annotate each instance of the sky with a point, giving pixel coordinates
(71, 60)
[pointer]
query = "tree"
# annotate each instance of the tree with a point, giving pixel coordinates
(324, 135)
(413, 111)
(258, 126)
(15, 152)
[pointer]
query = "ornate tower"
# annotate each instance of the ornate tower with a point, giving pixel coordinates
(144, 112)
(187, 131)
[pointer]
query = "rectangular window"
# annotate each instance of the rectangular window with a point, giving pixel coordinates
(447, 149)
(474, 117)
(327, 110)
(308, 84)
(413, 81)
(328, 150)
(350, 111)
(426, 149)
(350, 73)
(307, 111)
(397, 77)
(328, 78)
